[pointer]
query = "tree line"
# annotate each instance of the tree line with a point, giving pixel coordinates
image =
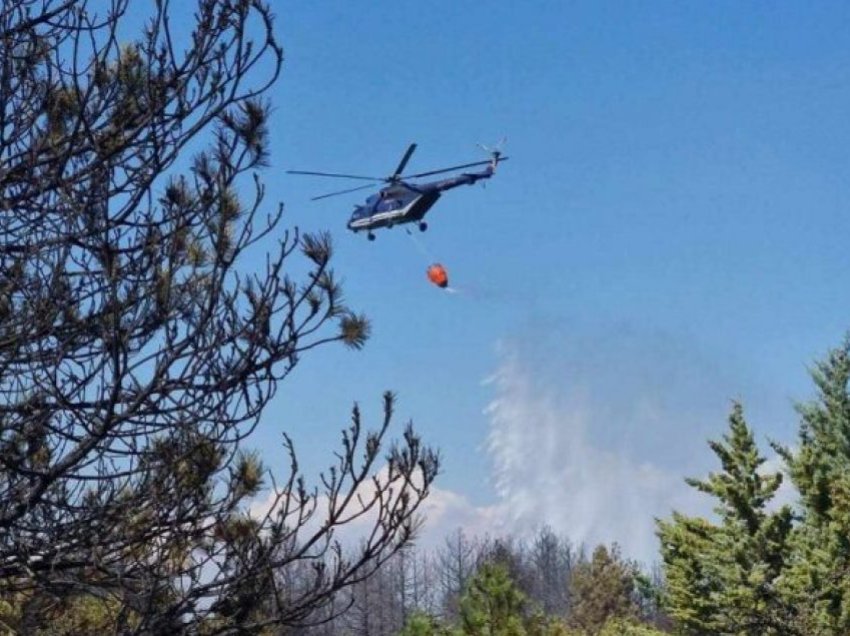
(481, 585)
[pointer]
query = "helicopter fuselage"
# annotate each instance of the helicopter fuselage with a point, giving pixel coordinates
(404, 202)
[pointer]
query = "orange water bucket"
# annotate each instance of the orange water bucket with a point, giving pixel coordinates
(438, 275)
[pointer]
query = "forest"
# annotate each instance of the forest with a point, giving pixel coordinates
(138, 355)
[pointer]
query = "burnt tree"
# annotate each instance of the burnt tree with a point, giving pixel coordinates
(137, 355)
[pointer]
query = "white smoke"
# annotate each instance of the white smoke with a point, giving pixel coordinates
(548, 469)
(592, 432)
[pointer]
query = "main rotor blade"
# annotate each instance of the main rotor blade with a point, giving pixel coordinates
(334, 174)
(403, 163)
(465, 165)
(333, 194)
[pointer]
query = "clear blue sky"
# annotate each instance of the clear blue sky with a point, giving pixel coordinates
(678, 175)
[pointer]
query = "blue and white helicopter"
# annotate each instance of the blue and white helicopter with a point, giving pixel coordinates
(400, 201)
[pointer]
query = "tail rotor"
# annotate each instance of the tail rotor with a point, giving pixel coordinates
(495, 152)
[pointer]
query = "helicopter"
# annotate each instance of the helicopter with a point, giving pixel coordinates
(400, 201)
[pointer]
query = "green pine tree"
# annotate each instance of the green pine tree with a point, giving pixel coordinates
(423, 624)
(492, 605)
(819, 579)
(729, 577)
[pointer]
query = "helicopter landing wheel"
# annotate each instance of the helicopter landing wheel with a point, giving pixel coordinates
(423, 226)
(370, 236)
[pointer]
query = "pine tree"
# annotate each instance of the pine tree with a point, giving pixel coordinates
(422, 624)
(492, 605)
(138, 346)
(727, 577)
(601, 589)
(820, 469)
